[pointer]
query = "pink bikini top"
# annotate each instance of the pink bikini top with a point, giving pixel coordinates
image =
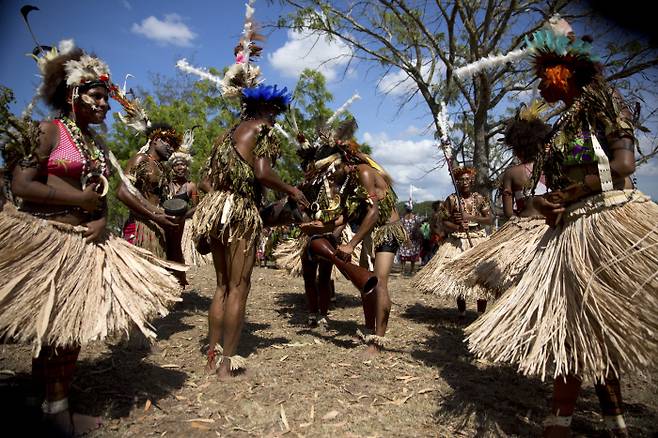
(65, 160)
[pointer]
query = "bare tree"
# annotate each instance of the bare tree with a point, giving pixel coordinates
(429, 39)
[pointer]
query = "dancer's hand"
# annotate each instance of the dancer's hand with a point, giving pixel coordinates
(344, 252)
(95, 229)
(299, 197)
(164, 220)
(90, 200)
(551, 206)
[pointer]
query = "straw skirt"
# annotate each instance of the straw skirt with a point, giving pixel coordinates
(586, 304)
(58, 290)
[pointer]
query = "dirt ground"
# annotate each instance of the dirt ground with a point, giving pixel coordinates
(310, 382)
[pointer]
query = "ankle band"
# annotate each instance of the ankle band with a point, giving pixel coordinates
(614, 422)
(55, 407)
(554, 420)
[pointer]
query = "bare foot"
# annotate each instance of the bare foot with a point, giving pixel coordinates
(211, 365)
(73, 424)
(224, 372)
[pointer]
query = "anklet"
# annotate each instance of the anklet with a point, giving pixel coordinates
(55, 407)
(235, 362)
(614, 422)
(379, 341)
(212, 353)
(554, 420)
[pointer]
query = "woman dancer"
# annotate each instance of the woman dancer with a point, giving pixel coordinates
(64, 279)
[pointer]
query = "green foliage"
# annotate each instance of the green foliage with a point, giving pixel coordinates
(185, 102)
(423, 209)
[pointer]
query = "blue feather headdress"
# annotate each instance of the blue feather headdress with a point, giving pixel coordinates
(267, 94)
(547, 45)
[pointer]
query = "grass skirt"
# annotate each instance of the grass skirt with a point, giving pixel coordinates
(58, 290)
(505, 256)
(495, 264)
(190, 254)
(432, 277)
(148, 235)
(586, 304)
(223, 215)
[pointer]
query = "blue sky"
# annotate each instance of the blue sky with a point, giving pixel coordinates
(149, 36)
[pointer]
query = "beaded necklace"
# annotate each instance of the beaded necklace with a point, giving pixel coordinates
(93, 158)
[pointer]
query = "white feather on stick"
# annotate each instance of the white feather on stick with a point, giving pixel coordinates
(488, 62)
(343, 108)
(125, 83)
(183, 65)
(285, 134)
(124, 179)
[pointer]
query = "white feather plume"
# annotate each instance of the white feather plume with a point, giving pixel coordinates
(183, 65)
(488, 62)
(343, 108)
(88, 68)
(65, 46)
(125, 83)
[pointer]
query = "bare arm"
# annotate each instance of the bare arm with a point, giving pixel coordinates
(269, 178)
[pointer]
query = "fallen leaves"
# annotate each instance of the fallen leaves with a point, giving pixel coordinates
(330, 415)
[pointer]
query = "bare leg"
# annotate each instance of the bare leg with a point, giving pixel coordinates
(309, 272)
(324, 286)
(402, 263)
(609, 394)
(216, 311)
(382, 302)
(58, 369)
(411, 269)
(240, 263)
(565, 394)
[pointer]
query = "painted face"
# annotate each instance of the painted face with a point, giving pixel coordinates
(465, 183)
(92, 105)
(162, 148)
(180, 169)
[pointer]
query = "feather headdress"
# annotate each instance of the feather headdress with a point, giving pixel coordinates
(183, 152)
(555, 43)
(242, 74)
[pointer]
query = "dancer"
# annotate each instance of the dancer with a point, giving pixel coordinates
(147, 172)
(65, 281)
(497, 263)
(227, 220)
(367, 200)
(410, 249)
(584, 308)
(465, 230)
(182, 187)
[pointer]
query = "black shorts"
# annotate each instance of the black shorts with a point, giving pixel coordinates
(388, 245)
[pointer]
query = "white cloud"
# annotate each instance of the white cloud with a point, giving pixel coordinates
(170, 31)
(410, 163)
(398, 83)
(126, 4)
(308, 50)
(413, 131)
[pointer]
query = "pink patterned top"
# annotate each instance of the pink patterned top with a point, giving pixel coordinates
(65, 160)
